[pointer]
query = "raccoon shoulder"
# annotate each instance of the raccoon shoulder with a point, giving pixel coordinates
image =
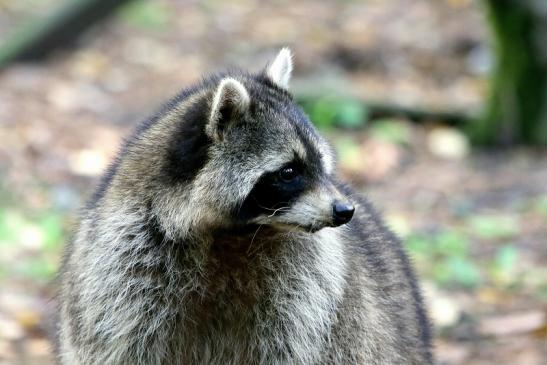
(381, 252)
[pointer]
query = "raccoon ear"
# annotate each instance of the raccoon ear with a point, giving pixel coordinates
(231, 99)
(279, 71)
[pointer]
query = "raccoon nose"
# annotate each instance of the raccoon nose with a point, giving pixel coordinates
(342, 213)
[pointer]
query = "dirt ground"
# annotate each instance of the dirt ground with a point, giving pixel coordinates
(62, 121)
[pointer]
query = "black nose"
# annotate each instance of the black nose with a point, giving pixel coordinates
(342, 213)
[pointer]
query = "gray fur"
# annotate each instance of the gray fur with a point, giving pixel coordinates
(161, 272)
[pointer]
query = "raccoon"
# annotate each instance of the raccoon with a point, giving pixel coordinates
(221, 235)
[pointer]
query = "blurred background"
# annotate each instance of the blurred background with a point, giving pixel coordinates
(437, 108)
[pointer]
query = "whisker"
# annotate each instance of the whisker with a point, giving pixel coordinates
(252, 240)
(277, 210)
(263, 207)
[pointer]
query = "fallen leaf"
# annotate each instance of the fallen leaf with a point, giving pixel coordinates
(38, 347)
(88, 162)
(513, 324)
(448, 143)
(10, 329)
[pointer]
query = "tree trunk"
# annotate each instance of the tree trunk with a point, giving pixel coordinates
(516, 111)
(38, 39)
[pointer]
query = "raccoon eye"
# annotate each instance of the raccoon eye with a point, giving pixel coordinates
(287, 174)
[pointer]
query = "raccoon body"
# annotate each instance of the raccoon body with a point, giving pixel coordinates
(221, 235)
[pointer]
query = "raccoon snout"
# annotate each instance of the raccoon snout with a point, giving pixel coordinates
(342, 213)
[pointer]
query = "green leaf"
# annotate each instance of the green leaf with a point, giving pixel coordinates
(494, 227)
(351, 114)
(541, 205)
(326, 112)
(419, 244)
(146, 14)
(11, 225)
(451, 243)
(38, 268)
(463, 271)
(444, 257)
(51, 226)
(322, 113)
(506, 258)
(502, 269)
(440, 273)
(391, 131)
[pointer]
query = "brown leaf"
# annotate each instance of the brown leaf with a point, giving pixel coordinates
(513, 324)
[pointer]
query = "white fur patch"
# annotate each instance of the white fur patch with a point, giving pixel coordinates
(328, 159)
(306, 291)
(281, 68)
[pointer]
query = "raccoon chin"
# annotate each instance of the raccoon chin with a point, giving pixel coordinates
(300, 228)
(313, 229)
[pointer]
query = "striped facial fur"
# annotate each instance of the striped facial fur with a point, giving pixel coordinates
(235, 151)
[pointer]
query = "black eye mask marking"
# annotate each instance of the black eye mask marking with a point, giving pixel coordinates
(274, 191)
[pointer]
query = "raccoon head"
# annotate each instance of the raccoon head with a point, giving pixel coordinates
(238, 151)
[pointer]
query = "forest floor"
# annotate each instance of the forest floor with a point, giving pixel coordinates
(474, 220)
